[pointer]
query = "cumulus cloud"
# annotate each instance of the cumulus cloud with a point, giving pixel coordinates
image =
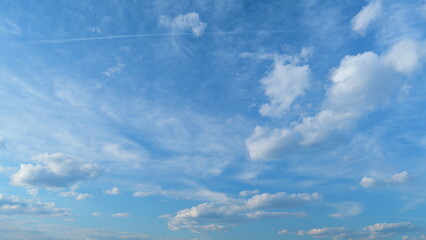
(113, 191)
(54, 171)
(13, 205)
(406, 55)
(364, 18)
(283, 85)
(346, 209)
(220, 215)
(187, 22)
(398, 178)
(376, 231)
(359, 85)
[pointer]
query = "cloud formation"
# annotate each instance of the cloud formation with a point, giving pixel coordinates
(13, 205)
(113, 191)
(376, 231)
(187, 22)
(398, 178)
(220, 215)
(283, 84)
(364, 18)
(54, 171)
(359, 85)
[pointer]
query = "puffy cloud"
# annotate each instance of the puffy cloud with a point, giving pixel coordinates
(283, 85)
(398, 178)
(368, 182)
(54, 171)
(401, 177)
(113, 191)
(190, 21)
(219, 215)
(406, 55)
(364, 18)
(14, 205)
(376, 231)
(346, 209)
(359, 85)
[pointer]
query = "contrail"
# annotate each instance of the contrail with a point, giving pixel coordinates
(67, 40)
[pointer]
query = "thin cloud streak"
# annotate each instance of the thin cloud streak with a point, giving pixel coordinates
(68, 40)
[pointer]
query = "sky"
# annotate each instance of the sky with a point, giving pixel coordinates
(212, 119)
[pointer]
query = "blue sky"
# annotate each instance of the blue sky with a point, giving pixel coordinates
(225, 119)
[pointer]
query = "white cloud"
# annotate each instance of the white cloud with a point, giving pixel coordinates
(283, 231)
(398, 178)
(246, 193)
(219, 215)
(97, 214)
(346, 209)
(190, 21)
(113, 191)
(376, 231)
(111, 71)
(56, 170)
(360, 84)
(14, 205)
(401, 177)
(76, 195)
(368, 182)
(406, 55)
(283, 85)
(120, 215)
(364, 18)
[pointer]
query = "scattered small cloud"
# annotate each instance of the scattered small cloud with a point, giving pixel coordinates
(113, 191)
(376, 231)
(190, 21)
(120, 215)
(398, 178)
(97, 214)
(76, 195)
(111, 71)
(364, 18)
